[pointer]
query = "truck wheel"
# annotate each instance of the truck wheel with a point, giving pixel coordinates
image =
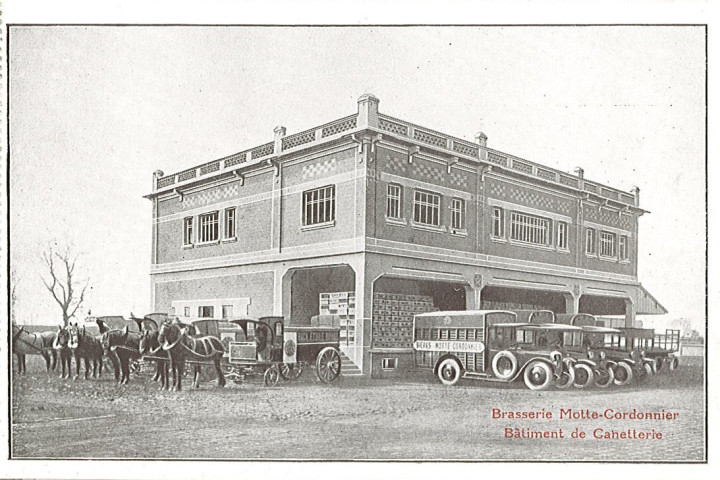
(584, 376)
(623, 374)
(538, 375)
(673, 363)
(604, 377)
(449, 371)
(567, 377)
(504, 365)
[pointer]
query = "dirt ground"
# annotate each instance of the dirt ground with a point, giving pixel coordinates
(350, 419)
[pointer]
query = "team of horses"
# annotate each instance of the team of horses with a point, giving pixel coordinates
(167, 342)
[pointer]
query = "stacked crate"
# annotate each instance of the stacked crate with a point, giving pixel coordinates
(393, 318)
(341, 304)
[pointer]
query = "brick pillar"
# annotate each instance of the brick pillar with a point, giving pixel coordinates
(629, 312)
(368, 111)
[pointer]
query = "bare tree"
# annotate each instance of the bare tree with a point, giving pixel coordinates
(63, 279)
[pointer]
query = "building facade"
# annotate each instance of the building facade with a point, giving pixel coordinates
(375, 219)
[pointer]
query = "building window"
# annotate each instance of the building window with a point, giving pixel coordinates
(457, 211)
(607, 244)
(209, 227)
(206, 312)
(319, 205)
(427, 208)
(498, 226)
(562, 235)
(389, 363)
(529, 228)
(394, 201)
(623, 247)
(590, 241)
(187, 311)
(230, 222)
(188, 231)
(227, 311)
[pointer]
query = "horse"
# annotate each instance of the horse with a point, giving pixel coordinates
(62, 347)
(26, 343)
(85, 346)
(175, 340)
(121, 346)
(149, 345)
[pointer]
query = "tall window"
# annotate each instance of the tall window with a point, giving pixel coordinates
(498, 225)
(427, 208)
(188, 231)
(623, 247)
(227, 311)
(206, 312)
(457, 213)
(230, 222)
(562, 235)
(319, 205)
(209, 227)
(529, 228)
(394, 201)
(590, 241)
(607, 244)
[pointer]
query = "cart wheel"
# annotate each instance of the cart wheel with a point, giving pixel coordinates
(584, 376)
(272, 375)
(623, 374)
(290, 371)
(538, 375)
(604, 377)
(673, 363)
(328, 364)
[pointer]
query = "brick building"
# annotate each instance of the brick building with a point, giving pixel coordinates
(375, 219)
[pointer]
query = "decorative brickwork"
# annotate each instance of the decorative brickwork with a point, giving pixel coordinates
(165, 181)
(263, 151)
(532, 199)
(569, 181)
(546, 174)
(523, 167)
(430, 138)
(334, 128)
(608, 217)
(428, 172)
(298, 139)
(211, 167)
(393, 127)
(465, 148)
(235, 159)
(208, 197)
(187, 175)
(322, 168)
(495, 158)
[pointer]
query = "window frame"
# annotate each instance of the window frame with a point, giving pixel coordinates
(528, 232)
(590, 246)
(210, 308)
(457, 214)
(212, 227)
(561, 237)
(230, 223)
(429, 208)
(623, 247)
(188, 231)
(396, 200)
(608, 239)
(317, 217)
(498, 223)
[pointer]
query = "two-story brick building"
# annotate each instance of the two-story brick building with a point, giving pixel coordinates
(374, 219)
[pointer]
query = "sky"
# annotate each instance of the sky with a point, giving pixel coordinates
(95, 110)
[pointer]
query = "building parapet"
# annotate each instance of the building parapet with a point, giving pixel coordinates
(368, 118)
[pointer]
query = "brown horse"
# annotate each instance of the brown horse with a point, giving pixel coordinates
(174, 339)
(26, 343)
(85, 346)
(150, 346)
(62, 347)
(121, 346)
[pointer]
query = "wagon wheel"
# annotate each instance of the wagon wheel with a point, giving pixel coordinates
(328, 364)
(272, 375)
(290, 371)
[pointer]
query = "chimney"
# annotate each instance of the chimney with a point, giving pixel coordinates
(157, 174)
(579, 172)
(368, 111)
(279, 134)
(635, 190)
(481, 139)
